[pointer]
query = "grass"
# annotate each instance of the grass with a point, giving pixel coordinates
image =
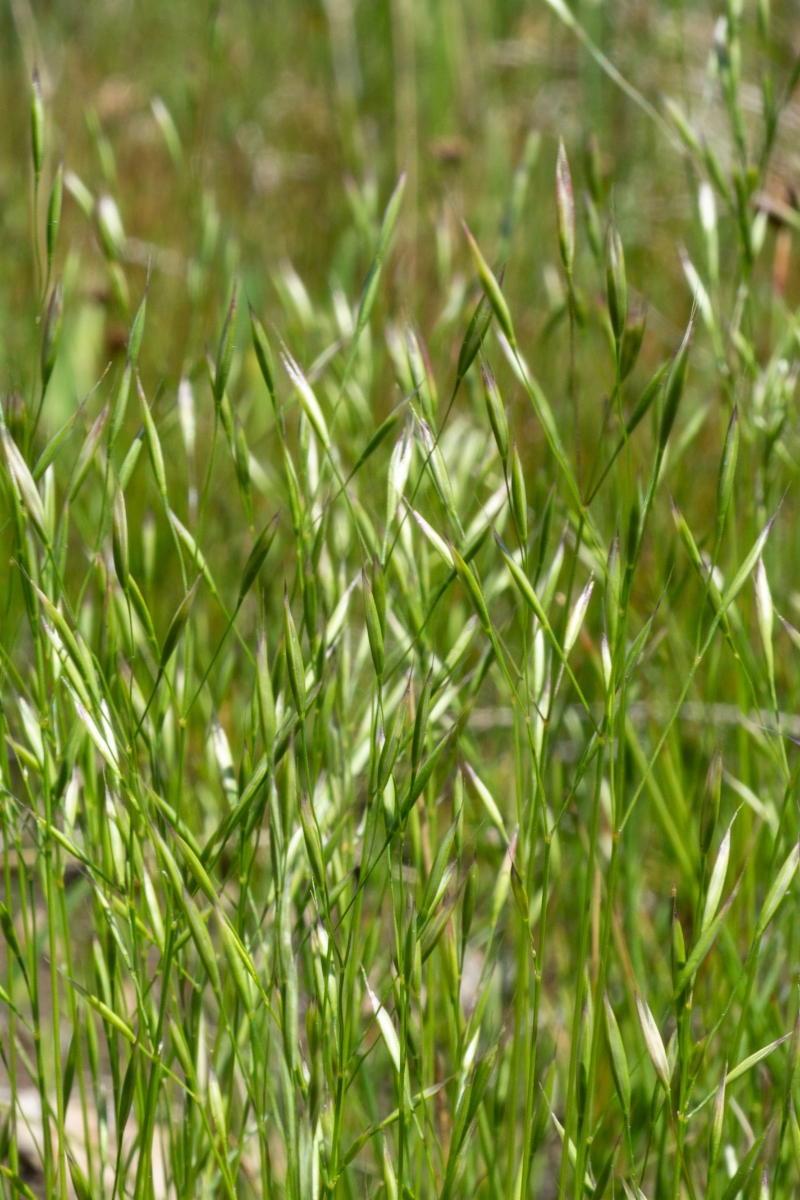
(399, 768)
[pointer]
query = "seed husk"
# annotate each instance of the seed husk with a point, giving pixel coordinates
(565, 209)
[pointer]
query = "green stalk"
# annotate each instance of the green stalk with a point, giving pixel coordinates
(31, 947)
(145, 1146)
(586, 1123)
(51, 929)
(12, 1020)
(347, 970)
(570, 1116)
(530, 1064)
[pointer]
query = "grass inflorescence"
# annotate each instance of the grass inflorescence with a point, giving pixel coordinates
(430, 828)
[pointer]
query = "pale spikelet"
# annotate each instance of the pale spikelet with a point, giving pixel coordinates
(37, 124)
(619, 1060)
(565, 209)
(717, 881)
(492, 290)
(438, 543)
(653, 1042)
(110, 228)
(765, 614)
(577, 616)
(399, 466)
(778, 889)
(22, 477)
(708, 219)
(487, 800)
(169, 132)
(605, 658)
(616, 282)
(385, 1024)
(307, 398)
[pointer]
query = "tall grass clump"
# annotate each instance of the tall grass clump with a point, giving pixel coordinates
(399, 765)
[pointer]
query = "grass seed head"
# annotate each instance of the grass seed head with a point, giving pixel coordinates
(421, 374)
(178, 623)
(727, 467)
(765, 615)
(294, 659)
(164, 120)
(577, 617)
(420, 724)
(111, 231)
(394, 734)
(653, 1043)
(613, 592)
(379, 592)
(519, 501)
(616, 283)
(118, 410)
(119, 541)
(495, 410)
(309, 402)
(476, 332)
(679, 120)
(54, 211)
(678, 946)
(25, 486)
(266, 699)
(717, 881)
(313, 842)
(632, 339)
(373, 622)
(153, 442)
(778, 890)
(137, 331)
(389, 1177)
(472, 587)
(264, 356)
(37, 124)
(492, 291)
(565, 209)
(87, 453)
(619, 1060)
(242, 465)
